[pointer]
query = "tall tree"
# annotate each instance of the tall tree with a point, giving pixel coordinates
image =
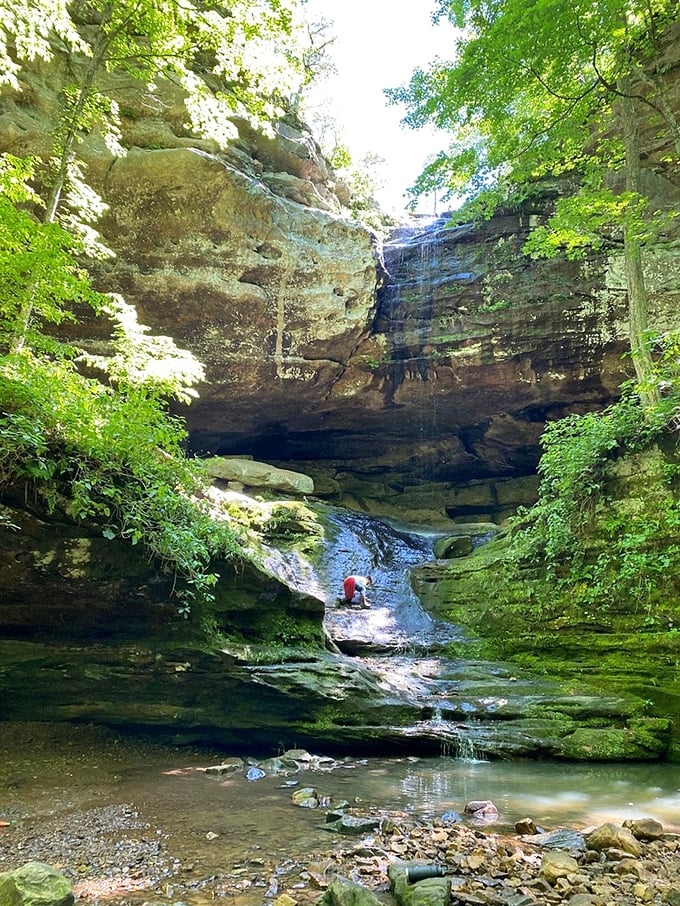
(544, 88)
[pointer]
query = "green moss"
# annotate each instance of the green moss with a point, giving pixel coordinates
(287, 630)
(636, 741)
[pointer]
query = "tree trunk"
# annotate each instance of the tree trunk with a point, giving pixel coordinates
(56, 188)
(638, 324)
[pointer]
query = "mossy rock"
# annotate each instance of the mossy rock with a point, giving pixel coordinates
(458, 546)
(35, 884)
(637, 741)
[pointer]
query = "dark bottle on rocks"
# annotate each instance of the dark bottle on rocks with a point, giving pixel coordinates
(420, 872)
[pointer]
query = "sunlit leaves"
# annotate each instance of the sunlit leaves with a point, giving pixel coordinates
(27, 28)
(146, 362)
(529, 82)
(40, 279)
(112, 459)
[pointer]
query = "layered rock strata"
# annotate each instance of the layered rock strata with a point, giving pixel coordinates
(411, 379)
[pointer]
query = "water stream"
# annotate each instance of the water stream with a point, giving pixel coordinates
(396, 621)
(106, 808)
(118, 811)
(460, 703)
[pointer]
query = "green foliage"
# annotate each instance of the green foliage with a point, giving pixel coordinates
(109, 453)
(608, 543)
(110, 459)
(593, 218)
(532, 94)
(573, 467)
(30, 27)
(41, 282)
(153, 364)
(284, 630)
(528, 83)
(363, 180)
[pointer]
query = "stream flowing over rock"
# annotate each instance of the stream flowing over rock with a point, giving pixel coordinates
(107, 646)
(409, 379)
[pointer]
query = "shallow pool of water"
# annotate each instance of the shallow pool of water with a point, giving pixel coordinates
(47, 770)
(76, 796)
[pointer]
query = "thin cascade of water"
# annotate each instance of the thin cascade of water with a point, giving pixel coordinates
(409, 655)
(466, 746)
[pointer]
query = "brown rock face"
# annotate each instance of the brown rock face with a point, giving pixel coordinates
(413, 379)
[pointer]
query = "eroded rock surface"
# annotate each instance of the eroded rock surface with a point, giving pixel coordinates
(413, 379)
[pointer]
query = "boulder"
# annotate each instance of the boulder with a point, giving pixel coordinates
(35, 884)
(483, 811)
(644, 828)
(570, 841)
(433, 891)
(343, 892)
(307, 797)
(612, 836)
(525, 827)
(251, 474)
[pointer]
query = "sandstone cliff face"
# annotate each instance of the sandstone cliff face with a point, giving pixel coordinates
(413, 379)
(417, 385)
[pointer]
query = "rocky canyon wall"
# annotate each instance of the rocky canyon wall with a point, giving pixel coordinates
(412, 378)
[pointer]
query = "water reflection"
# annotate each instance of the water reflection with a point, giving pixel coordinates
(549, 792)
(78, 794)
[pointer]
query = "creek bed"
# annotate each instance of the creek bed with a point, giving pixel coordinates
(132, 822)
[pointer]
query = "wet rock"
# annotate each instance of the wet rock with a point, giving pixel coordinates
(451, 817)
(343, 892)
(525, 827)
(483, 811)
(556, 865)
(255, 773)
(307, 797)
(336, 813)
(644, 828)
(352, 826)
(571, 841)
(612, 837)
(35, 884)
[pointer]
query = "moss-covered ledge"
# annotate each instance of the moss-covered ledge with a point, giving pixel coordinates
(517, 613)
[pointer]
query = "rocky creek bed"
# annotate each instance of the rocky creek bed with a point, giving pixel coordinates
(119, 849)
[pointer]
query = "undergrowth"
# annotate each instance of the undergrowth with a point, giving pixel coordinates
(114, 459)
(607, 538)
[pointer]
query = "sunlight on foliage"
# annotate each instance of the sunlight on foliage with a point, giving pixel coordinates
(153, 363)
(29, 27)
(601, 547)
(41, 282)
(112, 460)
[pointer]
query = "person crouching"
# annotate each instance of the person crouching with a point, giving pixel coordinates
(354, 591)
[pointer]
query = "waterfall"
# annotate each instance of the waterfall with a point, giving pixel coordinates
(396, 639)
(466, 747)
